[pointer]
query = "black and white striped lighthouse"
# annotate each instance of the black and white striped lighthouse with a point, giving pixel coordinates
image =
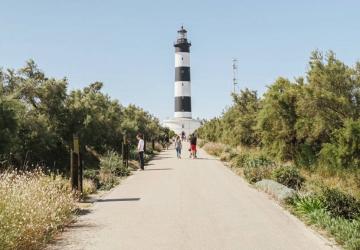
(182, 123)
(182, 76)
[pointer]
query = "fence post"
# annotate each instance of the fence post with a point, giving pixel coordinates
(76, 168)
(125, 151)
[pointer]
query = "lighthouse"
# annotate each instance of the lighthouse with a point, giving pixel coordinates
(182, 76)
(182, 121)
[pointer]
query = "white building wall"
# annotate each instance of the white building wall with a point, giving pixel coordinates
(179, 125)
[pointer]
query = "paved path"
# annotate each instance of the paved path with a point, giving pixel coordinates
(188, 204)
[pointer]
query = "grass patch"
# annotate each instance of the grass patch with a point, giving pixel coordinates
(214, 148)
(32, 207)
(314, 211)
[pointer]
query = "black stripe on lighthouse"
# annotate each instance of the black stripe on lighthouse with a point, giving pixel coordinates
(182, 104)
(182, 74)
(182, 47)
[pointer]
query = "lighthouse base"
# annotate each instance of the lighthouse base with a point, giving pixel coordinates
(179, 125)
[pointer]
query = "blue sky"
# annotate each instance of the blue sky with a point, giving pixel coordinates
(128, 45)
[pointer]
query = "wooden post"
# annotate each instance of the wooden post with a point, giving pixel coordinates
(125, 151)
(73, 170)
(76, 170)
(80, 176)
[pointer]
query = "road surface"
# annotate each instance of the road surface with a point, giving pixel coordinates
(188, 204)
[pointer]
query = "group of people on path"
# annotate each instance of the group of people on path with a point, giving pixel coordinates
(192, 146)
(178, 147)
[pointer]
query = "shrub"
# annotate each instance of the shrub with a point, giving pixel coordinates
(111, 167)
(93, 175)
(313, 209)
(32, 207)
(158, 147)
(89, 186)
(201, 143)
(344, 150)
(239, 160)
(214, 148)
(258, 167)
(255, 174)
(288, 176)
(227, 155)
(307, 204)
(112, 161)
(107, 179)
(340, 204)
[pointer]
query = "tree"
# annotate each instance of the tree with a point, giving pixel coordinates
(277, 119)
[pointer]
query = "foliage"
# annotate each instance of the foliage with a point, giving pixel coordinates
(315, 115)
(258, 168)
(89, 186)
(214, 148)
(38, 117)
(345, 232)
(32, 207)
(307, 204)
(277, 119)
(344, 148)
(340, 204)
(93, 175)
(240, 160)
(111, 167)
(288, 176)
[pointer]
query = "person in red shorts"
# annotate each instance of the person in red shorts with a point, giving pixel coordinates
(193, 141)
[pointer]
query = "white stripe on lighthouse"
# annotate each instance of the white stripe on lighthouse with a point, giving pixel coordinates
(182, 89)
(183, 115)
(182, 59)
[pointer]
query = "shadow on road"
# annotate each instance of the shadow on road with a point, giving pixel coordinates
(156, 169)
(83, 211)
(162, 157)
(199, 158)
(120, 199)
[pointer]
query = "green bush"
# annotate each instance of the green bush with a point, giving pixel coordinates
(340, 204)
(288, 176)
(228, 154)
(307, 204)
(258, 167)
(111, 167)
(93, 175)
(255, 174)
(113, 162)
(239, 160)
(313, 209)
(344, 150)
(259, 161)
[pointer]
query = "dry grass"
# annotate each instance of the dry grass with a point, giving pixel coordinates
(32, 207)
(89, 186)
(158, 147)
(346, 181)
(214, 148)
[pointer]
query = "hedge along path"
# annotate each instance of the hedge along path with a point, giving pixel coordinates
(188, 204)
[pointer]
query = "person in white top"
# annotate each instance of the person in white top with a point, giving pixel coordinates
(140, 149)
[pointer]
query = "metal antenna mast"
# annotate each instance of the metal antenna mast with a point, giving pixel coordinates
(235, 72)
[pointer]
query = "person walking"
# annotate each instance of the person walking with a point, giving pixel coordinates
(193, 141)
(178, 147)
(140, 149)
